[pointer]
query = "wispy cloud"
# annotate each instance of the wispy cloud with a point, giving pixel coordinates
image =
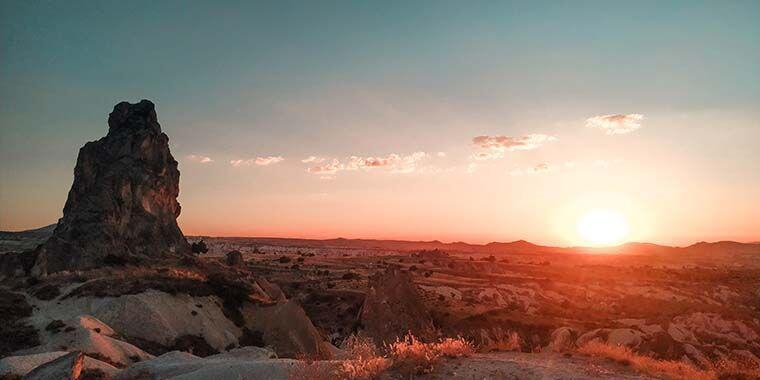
(268, 160)
(616, 124)
(314, 159)
(260, 161)
(540, 168)
(199, 159)
(496, 146)
(394, 163)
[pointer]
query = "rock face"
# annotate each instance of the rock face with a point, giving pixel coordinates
(123, 202)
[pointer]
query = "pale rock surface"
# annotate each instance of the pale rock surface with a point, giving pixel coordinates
(161, 318)
(562, 340)
(236, 364)
(286, 327)
(66, 367)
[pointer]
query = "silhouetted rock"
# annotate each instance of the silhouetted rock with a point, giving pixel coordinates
(123, 202)
(235, 258)
(393, 307)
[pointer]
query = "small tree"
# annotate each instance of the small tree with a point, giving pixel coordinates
(199, 247)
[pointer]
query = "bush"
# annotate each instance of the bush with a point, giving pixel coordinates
(455, 348)
(413, 357)
(361, 359)
(284, 259)
(199, 247)
(647, 365)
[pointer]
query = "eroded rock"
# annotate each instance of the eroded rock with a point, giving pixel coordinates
(122, 207)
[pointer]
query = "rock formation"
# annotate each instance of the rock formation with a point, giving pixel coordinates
(123, 204)
(393, 307)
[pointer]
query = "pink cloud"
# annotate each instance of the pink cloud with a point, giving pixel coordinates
(616, 124)
(260, 161)
(393, 163)
(199, 159)
(496, 146)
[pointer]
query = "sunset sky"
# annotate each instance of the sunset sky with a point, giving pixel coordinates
(473, 121)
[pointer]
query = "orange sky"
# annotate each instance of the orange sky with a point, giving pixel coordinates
(491, 121)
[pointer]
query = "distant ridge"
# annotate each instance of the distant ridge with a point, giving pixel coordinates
(37, 233)
(495, 248)
(519, 246)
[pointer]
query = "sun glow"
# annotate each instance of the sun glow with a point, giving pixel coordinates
(602, 227)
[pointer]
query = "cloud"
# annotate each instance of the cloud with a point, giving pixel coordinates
(268, 160)
(199, 159)
(441, 154)
(314, 159)
(261, 161)
(393, 163)
(496, 146)
(506, 143)
(487, 155)
(540, 168)
(616, 124)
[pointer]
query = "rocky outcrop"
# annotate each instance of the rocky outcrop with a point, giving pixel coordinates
(122, 206)
(393, 307)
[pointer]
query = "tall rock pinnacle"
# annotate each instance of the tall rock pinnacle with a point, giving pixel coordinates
(123, 202)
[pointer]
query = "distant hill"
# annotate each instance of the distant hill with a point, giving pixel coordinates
(18, 240)
(24, 240)
(495, 248)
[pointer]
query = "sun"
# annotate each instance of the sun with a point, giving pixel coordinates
(602, 227)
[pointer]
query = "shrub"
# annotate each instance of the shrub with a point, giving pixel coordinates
(647, 365)
(284, 259)
(199, 247)
(411, 357)
(455, 348)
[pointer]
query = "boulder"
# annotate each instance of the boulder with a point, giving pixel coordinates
(235, 259)
(122, 207)
(66, 367)
(23, 364)
(163, 318)
(93, 343)
(287, 329)
(562, 340)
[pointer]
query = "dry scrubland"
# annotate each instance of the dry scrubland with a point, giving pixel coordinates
(272, 310)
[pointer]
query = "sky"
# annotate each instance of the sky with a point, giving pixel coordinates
(458, 121)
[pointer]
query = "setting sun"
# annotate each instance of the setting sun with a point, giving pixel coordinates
(603, 227)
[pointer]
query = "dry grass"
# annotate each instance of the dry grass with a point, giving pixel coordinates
(668, 369)
(410, 356)
(361, 359)
(455, 348)
(735, 370)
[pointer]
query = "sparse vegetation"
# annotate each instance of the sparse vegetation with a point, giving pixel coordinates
(199, 247)
(669, 369)
(362, 360)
